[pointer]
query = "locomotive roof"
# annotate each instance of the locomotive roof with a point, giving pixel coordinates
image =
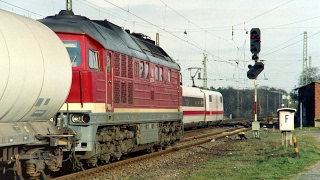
(110, 36)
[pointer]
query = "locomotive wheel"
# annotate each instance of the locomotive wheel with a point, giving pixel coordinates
(159, 148)
(45, 175)
(151, 149)
(18, 177)
(17, 170)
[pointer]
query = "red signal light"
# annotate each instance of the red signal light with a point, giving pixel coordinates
(255, 37)
(255, 42)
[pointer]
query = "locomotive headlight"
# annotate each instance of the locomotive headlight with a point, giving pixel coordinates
(75, 118)
(80, 118)
(85, 118)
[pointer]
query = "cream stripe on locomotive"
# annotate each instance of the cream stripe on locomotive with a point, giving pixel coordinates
(93, 107)
(101, 107)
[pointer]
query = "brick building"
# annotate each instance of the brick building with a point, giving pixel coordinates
(309, 96)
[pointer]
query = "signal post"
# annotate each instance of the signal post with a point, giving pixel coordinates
(254, 71)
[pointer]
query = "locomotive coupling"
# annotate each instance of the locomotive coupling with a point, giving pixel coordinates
(59, 142)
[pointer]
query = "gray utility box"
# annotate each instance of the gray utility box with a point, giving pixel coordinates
(255, 125)
(286, 119)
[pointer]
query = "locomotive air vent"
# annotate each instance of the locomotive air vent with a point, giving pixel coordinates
(66, 14)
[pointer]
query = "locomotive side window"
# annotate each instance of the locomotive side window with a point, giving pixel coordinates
(156, 73)
(141, 69)
(147, 70)
(94, 59)
(169, 75)
(210, 98)
(73, 48)
(161, 77)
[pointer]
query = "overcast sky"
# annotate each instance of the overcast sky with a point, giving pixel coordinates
(217, 28)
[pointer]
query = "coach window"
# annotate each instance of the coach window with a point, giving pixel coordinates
(74, 50)
(160, 74)
(169, 76)
(94, 59)
(141, 69)
(156, 73)
(147, 70)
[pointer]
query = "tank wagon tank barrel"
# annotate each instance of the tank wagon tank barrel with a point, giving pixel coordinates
(34, 83)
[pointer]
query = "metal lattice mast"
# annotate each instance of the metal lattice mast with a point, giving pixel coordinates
(309, 61)
(205, 80)
(69, 5)
(309, 72)
(157, 39)
(304, 61)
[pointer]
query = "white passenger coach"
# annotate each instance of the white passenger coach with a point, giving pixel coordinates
(201, 107)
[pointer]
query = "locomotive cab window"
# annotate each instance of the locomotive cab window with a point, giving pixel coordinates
(210, 98)
(141, 69)
(161, 77)
(93, 59)
(74, 51)
(147, 70)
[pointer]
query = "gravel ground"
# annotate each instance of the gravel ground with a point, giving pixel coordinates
(181, 164)
(175, 166)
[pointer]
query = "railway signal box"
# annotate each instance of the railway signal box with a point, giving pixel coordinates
(255, 42)
(286, 124)
(286, 119)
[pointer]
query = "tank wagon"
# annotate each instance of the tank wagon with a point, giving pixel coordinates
(35, 81)
(201, 108)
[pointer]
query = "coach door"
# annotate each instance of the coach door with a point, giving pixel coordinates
(217, 105)
(109, 82)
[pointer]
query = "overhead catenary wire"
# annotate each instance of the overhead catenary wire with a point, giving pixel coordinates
(194, 45)
(290, 45)
(215, 56)
(26, 10)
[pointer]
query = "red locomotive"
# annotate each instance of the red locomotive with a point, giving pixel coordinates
(125, 93)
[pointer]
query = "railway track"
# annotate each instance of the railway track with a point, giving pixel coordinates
(188, 142)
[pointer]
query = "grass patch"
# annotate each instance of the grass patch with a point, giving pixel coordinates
(263, 158)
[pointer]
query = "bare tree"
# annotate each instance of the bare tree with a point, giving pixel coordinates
(311, 75)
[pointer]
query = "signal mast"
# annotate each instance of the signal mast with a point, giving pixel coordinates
(254, 71)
